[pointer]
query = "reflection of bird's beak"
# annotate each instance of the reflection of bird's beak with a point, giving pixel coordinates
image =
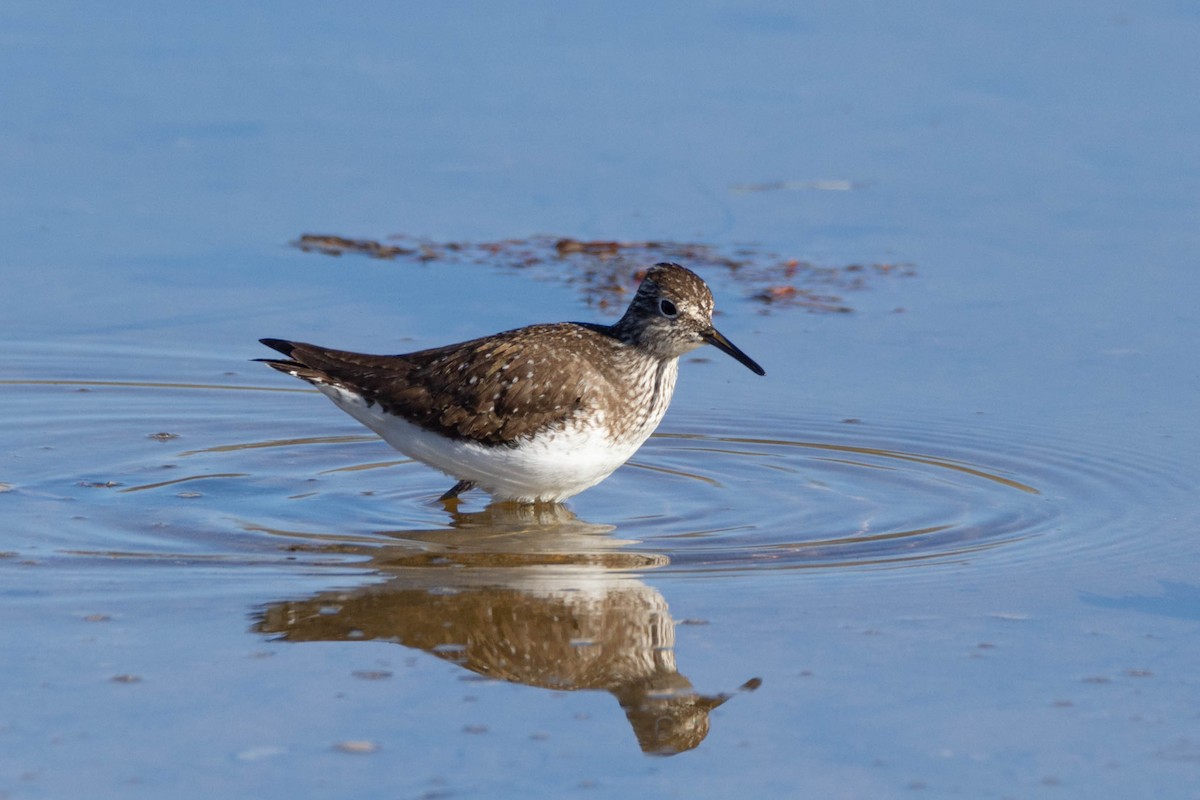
(712, 701)
(709, 702)
(717, 340)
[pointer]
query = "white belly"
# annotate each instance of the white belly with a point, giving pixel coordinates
(550, 467)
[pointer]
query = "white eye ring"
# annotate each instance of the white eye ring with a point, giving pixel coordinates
(667, 308)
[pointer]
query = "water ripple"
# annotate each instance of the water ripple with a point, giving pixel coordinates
(905, 492)
(788, 492)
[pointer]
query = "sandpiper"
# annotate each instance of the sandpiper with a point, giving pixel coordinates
(532, 415)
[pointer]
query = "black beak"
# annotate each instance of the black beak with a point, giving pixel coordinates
(714, 337)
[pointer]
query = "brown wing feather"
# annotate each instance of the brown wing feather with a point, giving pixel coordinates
(496, 390)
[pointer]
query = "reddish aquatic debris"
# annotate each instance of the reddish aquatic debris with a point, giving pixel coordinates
(606, 270)
(568, 246)
(791, 295)
(336, 245)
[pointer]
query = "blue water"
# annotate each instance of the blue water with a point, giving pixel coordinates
(983, 585)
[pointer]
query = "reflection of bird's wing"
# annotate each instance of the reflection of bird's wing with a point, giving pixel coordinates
(494, 390)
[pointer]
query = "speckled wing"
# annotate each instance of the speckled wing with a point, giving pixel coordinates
(496, 390)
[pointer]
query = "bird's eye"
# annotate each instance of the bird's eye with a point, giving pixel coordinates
(667, 308)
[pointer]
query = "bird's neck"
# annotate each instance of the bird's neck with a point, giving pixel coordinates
(651, 383)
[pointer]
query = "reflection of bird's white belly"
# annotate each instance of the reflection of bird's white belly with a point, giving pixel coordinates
(550, 467)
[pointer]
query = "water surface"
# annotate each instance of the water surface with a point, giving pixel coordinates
(946, 546)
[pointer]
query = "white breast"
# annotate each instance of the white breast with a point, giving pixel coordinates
(549, 467)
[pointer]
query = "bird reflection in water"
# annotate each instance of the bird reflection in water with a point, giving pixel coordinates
(526, 594)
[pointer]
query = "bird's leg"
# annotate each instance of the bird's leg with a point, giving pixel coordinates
(456, 490)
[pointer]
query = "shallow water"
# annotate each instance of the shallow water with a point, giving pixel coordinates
(851, 494)
(948, 545)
